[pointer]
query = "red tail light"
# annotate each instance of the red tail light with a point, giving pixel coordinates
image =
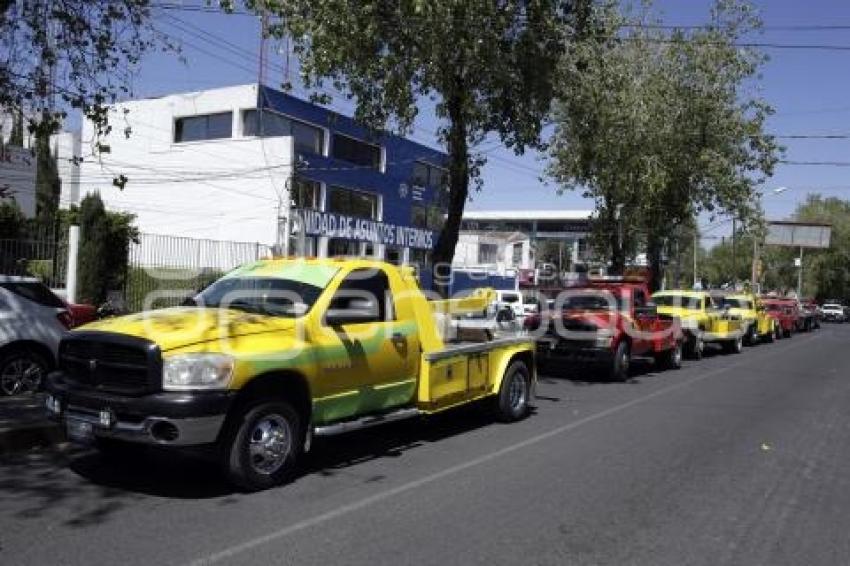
(66, 319)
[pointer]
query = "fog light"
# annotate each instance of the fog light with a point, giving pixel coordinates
(106, 418)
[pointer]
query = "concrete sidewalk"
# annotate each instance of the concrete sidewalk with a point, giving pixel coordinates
(24, 424)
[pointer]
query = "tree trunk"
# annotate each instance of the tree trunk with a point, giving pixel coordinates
(458, 192)
(618, 255)
(654, 245)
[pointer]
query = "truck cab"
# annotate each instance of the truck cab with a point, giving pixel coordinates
(276, 352)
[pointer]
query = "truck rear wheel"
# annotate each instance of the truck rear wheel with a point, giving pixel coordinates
(619, 370)
(263, 445)
(514, 394)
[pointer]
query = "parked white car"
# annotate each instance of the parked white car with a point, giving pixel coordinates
(833, 312)
(32, 321)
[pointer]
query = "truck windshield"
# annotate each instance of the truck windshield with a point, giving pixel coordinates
(679, 301)
(263, 295)
(590, 302)
(737, 303)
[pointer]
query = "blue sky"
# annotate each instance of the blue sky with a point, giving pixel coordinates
(808, 88)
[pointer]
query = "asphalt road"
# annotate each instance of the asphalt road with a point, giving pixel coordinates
(737, 459)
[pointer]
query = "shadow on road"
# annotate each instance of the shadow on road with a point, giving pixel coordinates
(78, 487)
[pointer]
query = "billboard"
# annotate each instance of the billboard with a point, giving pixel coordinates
(798, 234)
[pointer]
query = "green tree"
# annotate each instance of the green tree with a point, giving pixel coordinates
(104, 243)
(488, 66)
(55, 56)
(47, 187)
(657, 128)
(12, 220)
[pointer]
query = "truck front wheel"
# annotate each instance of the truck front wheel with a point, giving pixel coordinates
(262, 446)
(514, 394)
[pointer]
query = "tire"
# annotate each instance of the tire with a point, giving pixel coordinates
(262, 445)
(619, 370)
(770, 336)
(22, 371)
(512, 404)
(696, 347)
(751, 338)
(779, 334)
(786, 333)
(672, 358)
(735, 346)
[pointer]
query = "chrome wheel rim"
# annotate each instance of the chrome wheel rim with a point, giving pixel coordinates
(21, 375)
(518, 392)
(269, 445)
(677, 355)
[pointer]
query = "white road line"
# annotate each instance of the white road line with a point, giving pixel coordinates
(410, 486)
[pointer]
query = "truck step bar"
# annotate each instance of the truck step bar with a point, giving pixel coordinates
(366, 422)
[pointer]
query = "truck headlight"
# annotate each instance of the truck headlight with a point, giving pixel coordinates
(196, 371)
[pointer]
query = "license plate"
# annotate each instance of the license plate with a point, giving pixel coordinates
(79, 431)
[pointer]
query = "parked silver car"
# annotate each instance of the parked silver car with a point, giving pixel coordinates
(32, 321)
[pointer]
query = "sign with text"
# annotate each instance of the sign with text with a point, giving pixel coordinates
(332, 225)
(798, 234)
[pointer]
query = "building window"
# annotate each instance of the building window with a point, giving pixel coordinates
(488, 253)
(356, 151)
(430, 217)
(517, 254)
(206, 127)
(430, 176)
(305, 194)
(339, 247)
(308, 138)
(353, 203)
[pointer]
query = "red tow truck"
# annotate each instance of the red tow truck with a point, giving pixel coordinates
(785, 312)
(605, 324)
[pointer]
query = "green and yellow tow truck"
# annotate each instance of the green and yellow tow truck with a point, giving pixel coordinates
(277, 352)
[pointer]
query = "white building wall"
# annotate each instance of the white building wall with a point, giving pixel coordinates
(226, 189)
(66, 147)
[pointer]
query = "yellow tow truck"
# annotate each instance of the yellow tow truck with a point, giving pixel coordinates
(758, 326)
(279, 351)
(702, 320)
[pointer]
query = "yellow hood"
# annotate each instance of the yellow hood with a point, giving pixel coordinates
(184, 326)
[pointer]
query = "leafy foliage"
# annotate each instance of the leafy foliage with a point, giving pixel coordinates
(12, 220)
(661, 127)
(70, 54)
(104, 246)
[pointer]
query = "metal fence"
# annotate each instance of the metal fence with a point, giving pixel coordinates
(163, 270)
(44, 258)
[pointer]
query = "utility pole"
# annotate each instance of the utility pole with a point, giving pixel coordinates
(734, 253)
(800, 275)
(696, 250)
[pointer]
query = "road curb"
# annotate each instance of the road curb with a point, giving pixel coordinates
(37, 435)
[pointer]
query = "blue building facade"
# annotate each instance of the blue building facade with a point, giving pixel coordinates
(355, 191)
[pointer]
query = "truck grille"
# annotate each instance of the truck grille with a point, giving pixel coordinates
(111, 362)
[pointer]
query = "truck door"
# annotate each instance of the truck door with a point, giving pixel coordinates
(369, 353)
(645, 318)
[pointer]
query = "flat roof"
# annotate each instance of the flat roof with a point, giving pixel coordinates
(528, 215)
